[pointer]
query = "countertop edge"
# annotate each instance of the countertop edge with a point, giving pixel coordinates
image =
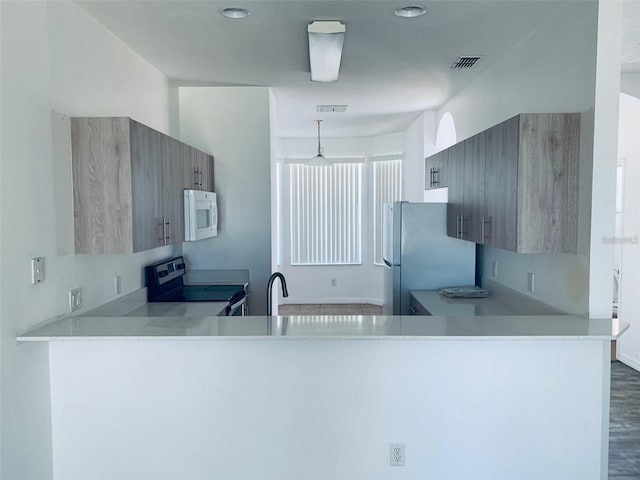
(469, 338)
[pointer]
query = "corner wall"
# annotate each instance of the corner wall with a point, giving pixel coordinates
(54, 57)
(233, 124)
(553, 70)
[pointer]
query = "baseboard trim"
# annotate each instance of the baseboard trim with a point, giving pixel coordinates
(628, 361)
(307, 301)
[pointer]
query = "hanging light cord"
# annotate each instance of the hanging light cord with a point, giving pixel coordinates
(320, 149)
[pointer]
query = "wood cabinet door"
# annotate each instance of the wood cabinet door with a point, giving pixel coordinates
(191, 179)
(455, 182)
(146, 183)
(198, 169)
(435, 166)
(101, 165)
(501, 180)
(207, 172)
(549, 152)
(172, 191)
(473, 228)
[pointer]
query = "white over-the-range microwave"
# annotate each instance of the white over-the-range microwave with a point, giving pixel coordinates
(200, 215)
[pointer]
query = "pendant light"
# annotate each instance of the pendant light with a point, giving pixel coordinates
(319, 160)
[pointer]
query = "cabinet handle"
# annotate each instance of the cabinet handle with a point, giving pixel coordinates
(457, 226)
(164, 232)
(195, 178)
(436, 177)
(201, 178)
(167, 238)
(484, 222)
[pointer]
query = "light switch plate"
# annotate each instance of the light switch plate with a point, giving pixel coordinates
(37, 270)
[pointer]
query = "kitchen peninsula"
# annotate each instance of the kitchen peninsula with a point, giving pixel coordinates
(266, 397)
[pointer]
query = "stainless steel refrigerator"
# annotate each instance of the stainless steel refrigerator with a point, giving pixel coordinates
(418, 254)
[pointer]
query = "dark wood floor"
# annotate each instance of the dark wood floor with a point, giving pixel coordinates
(624, 430)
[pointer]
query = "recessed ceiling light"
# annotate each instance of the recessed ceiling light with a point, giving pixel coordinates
(410, 11)
(236, 13)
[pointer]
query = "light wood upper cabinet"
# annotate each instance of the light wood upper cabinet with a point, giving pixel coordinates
(455, 182)
(435, 170)
(473, 215)
(198, 170)
(548, 163)
(127, 186)
(102, 191)
(515, 185)
(147, 150)
(501, 185)
(172, 194)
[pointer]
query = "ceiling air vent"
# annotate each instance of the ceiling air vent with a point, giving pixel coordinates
(332, 108)
(465, 62)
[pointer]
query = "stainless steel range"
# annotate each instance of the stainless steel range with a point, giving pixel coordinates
(165, 283)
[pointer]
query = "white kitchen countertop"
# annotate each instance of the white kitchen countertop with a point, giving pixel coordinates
(499, 302)
(331, 327)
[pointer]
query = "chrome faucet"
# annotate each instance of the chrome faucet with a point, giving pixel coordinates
(270, 287)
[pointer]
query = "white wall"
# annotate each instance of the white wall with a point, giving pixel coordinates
(276, 210)
(630, 84)
(232, 123)
(551, 71)
(629, 300)
(605, 158)
(415, 141)
(328, 410)
(54, 57)
(355, 283)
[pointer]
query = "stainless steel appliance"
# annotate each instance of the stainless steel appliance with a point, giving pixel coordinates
(165, 283)
(419, 255)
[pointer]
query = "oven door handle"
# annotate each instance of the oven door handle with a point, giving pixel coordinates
(235, 306)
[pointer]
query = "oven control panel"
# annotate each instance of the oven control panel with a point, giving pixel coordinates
(164, 272)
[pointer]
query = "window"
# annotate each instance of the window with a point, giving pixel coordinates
(386, 188)
(325, 214)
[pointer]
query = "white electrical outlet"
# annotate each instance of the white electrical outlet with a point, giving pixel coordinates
(75, 299)
(397, 454)
(117, 285)
(531, 282)
(494, 269)
(334, 282)
(37, 270)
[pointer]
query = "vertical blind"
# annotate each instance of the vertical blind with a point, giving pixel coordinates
(386, 188)
(325, 214)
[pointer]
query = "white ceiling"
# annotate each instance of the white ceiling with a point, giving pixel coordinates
(392, 68)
